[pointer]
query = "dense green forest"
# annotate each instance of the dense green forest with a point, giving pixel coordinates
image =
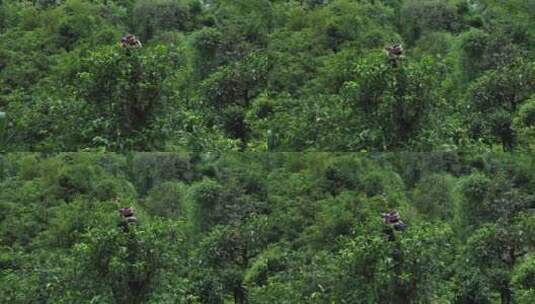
(267, 75)
(267, 228)
(267, 151)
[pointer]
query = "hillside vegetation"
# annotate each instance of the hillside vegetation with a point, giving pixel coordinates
(267, 75)
(267, 228)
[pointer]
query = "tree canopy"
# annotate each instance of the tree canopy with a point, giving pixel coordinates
(267, 75)
(267, 227)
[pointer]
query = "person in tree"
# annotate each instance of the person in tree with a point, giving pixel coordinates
(127, 217)
(392, 218)
(393, 223)
(395, 54)
(130, 41)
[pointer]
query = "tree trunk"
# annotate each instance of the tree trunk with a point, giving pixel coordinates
(506, 296)
(505, 291)
(240, 296)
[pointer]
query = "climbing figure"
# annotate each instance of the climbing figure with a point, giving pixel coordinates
(127, 217)
(395, 54)
(130, 41)
(392, 218)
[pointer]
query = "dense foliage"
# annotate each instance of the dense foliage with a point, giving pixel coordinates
(267, 75)
(267, 228)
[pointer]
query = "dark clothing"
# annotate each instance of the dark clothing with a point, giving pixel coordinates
(127, 218)
(393, 219)
(126, 212)
(395, 54)
(130, 40)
